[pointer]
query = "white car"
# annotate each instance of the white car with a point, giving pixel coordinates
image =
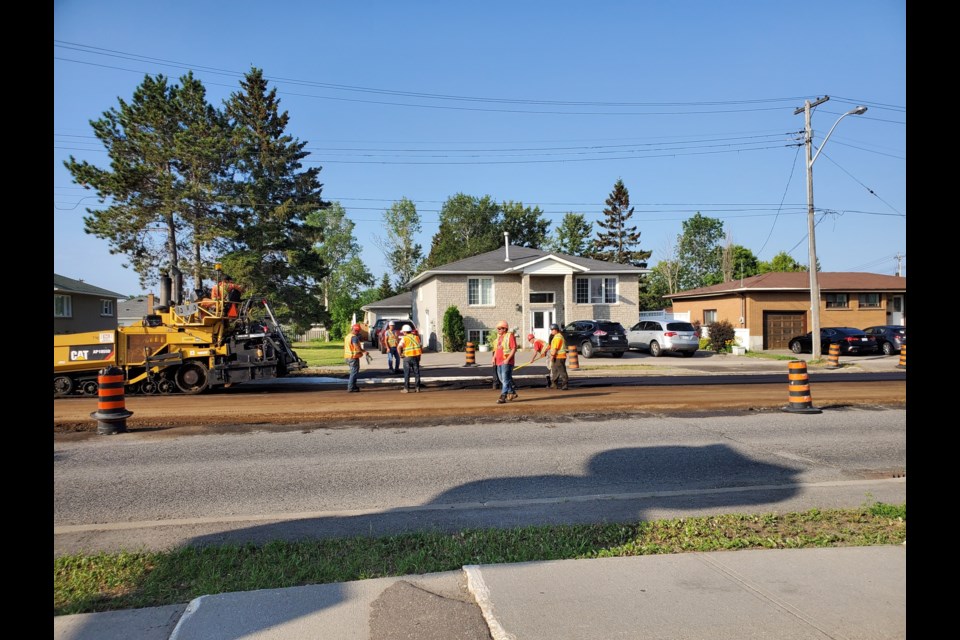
(663, 336)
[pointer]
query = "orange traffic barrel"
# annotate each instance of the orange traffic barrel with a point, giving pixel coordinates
(471, 355)
(903, 357)
(572, 361)
(799, 389)
(833, 358)
(111, 414)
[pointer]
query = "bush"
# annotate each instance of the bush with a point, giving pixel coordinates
(721, 335)
(454, 336)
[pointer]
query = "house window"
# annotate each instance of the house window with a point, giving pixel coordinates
(62, 306)
(541, 297)
(596, 290)
(869, 300)
(480, 291)
(478, 336)
(836, 300)
(709, 316)
(106, 308)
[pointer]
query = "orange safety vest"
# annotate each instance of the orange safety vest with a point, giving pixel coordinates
(351, 349)
(390, 337)
(410, 345)
(500, 348)
(559, 346)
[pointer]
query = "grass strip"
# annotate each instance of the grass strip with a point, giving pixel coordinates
(129, 580)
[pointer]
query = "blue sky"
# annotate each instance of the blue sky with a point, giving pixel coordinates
(546, 103)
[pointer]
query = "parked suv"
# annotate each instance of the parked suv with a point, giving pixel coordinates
(664, 336)
(376, 333)
(890, 337)
(596, 336)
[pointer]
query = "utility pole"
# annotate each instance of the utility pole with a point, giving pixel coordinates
(811, 158)
(811, 238)
(899, 258)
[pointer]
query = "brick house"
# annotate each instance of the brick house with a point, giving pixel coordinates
(529, 288)
(769, 309)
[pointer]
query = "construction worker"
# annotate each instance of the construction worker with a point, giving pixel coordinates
(558, 358)
(410, 350)
(391, 339)
(540, 350)
(229, 292)
(352, 352)
(504, 357)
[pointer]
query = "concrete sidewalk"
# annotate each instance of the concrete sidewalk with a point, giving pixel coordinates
(856, 593)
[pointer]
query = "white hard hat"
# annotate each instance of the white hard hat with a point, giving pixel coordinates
(406, 328)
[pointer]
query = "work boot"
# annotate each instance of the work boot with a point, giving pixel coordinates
(502, 400)
(404, 390)
(511, 396)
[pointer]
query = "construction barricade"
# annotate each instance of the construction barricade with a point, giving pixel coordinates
(798, 388)
(111, 414)
(903, 357)
(833, 357)
(471, 356)
(572, 361)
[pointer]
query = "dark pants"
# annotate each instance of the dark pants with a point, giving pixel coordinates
(393, 359)
(353, 365)
(558, 373)
(411, 363)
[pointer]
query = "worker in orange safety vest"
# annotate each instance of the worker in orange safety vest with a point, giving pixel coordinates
(410, 350)
(558, 359)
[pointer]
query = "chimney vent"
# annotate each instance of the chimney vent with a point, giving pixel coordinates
(506, 246)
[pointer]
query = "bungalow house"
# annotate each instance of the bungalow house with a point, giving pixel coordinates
(767, 310)
(529, 288)
(80, 307)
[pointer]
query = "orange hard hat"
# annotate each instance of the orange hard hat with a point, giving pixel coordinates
(530, 336)
(355, 327)
(502, 323)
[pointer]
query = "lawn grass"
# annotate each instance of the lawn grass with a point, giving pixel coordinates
(106, 582)
(318, 353)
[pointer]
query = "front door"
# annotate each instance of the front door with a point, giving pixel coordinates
(541, 320)
(895, 310)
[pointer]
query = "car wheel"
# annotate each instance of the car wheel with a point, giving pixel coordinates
(617, 354)
(688, 354)
(887, 349)
(795, 347)
(655, 350)
(586, 349)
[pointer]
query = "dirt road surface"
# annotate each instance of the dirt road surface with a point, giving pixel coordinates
(381, 406)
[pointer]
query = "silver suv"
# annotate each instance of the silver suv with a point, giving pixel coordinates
(661, 336)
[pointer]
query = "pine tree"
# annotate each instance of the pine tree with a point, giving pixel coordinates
(385, 290)
(616, 243)
(141, 183)
(272, 251)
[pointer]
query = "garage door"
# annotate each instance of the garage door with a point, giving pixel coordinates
(780, 326)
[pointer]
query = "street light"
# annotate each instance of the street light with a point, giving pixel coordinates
(812, 268)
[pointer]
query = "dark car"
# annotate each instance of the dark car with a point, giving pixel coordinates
(591, 337)
(890, 337)
(851, 341)
(376, 332)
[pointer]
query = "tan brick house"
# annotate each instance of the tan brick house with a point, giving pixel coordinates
(529, 288)
(771, 308)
